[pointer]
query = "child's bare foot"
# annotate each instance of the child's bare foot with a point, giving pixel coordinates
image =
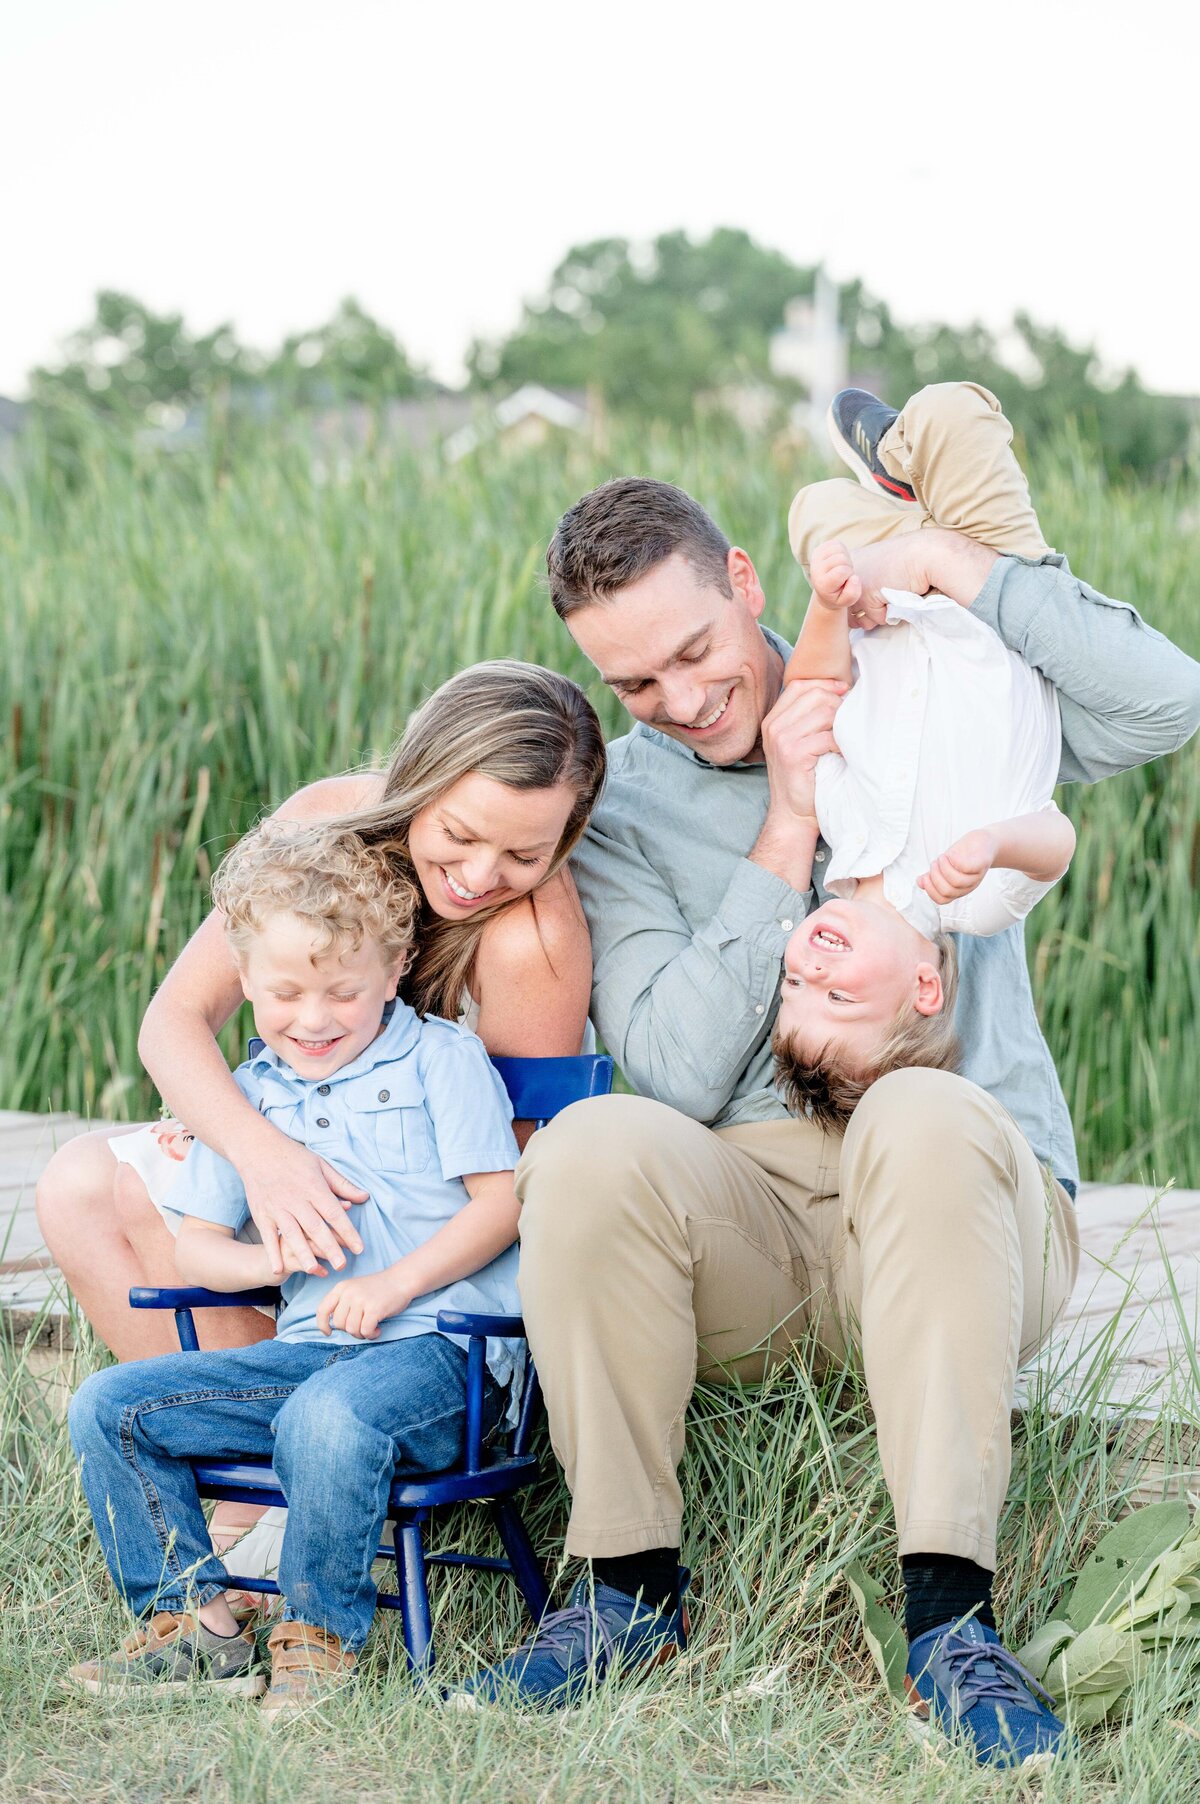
(833, 577)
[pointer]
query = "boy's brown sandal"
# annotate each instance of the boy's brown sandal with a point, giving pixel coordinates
(174, 1651)
(307, 1665)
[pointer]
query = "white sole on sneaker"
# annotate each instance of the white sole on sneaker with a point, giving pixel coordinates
(252, 1685)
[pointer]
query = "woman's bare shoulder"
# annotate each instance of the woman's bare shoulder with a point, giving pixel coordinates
(540, 929)
(330, 796)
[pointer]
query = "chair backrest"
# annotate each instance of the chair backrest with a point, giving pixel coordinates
(537, 1088)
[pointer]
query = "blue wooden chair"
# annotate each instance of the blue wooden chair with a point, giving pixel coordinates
(539, 1088)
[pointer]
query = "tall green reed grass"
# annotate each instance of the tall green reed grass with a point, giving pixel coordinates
(186, 639)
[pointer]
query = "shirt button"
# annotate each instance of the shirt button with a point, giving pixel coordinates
(384, 1095)
(758, 1008)
(787, 926)
(322, 1121)
(322, 1089)
(820, 857)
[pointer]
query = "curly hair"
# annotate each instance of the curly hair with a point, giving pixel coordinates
(827, 1092)
(346, 891)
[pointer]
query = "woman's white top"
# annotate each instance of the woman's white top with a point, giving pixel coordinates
(944, 730)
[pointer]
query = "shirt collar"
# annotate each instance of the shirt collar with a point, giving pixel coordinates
(401, 1031)
(685, 751)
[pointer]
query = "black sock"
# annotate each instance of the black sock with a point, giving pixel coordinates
(655, 1573)
(940, 1587)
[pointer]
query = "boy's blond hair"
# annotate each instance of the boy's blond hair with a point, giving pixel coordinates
(828, 1094)
(347, 892)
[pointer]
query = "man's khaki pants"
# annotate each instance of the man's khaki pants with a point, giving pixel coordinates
(651, 1247)
(953, 446)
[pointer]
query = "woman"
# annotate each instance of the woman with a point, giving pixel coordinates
(484, 798)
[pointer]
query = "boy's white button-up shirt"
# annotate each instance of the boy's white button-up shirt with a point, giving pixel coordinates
(944, 730)
(419, 1109)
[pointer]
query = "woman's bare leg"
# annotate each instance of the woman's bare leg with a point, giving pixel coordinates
(103, 1250)
(77, 1214)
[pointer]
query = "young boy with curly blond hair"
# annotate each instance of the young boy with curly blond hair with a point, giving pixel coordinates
(359, 1384)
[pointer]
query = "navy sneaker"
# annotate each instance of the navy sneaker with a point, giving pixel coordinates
(857, 421)
(963, 1680)
(600, 1631)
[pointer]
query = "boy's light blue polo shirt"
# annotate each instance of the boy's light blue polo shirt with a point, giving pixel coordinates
(422, 1106)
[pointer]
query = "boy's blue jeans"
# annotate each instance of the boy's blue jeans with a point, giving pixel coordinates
(338, 1423)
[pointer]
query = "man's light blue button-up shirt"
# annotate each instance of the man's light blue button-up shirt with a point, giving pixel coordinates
(688, 934)
(419, 1109)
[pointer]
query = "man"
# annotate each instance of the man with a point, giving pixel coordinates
(937, 1238)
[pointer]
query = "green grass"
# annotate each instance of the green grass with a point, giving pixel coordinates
(183, 641)
(776, 1698)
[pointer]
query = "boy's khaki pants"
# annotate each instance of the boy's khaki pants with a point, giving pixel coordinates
(929, 1239)
(953, 446)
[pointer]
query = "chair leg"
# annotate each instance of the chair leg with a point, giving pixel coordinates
(414, 1597)
(527, 1570)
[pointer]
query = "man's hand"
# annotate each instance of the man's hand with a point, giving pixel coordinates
(798, 729)
(358, 1305)
(960, 869)
(299, 1200)
(931, 558)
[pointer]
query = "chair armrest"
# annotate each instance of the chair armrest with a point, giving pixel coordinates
(453, 1321)
(143, 1297)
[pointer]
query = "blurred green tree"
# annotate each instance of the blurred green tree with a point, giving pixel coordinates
(352, 358)
(134, 366)
(653, 329)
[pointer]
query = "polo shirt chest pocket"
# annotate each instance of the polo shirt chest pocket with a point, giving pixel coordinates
(387, 1110)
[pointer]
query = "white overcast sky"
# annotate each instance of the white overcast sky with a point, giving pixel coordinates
(256, 161)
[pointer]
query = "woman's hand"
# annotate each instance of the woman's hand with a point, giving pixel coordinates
(359, 1305)
(299, 1202)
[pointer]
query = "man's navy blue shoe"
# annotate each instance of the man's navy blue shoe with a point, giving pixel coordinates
(600, 1631)
(963, 1680)
(857, 422)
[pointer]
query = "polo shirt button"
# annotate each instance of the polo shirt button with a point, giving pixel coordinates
(322, 1121)
(385, 1095)
(322, 1089)
(786, 925)
(820, 857)
(758, 1008)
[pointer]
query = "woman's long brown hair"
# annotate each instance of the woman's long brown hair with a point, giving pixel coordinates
(516, 723)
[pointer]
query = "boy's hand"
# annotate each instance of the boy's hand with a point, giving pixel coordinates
(358, 1305)
(960, 869)
(831, 573)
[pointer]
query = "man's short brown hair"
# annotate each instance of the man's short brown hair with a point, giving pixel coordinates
(619, 531)
(825, 1091)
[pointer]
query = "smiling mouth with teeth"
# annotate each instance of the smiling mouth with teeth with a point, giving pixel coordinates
(710, 720)
(464, 895)
(833, 942)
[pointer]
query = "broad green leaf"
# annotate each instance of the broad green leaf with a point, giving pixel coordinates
(1042, 1648)
(1091, 1708)
(884, 1635)
(1100, 1659)
(1120, 1562)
